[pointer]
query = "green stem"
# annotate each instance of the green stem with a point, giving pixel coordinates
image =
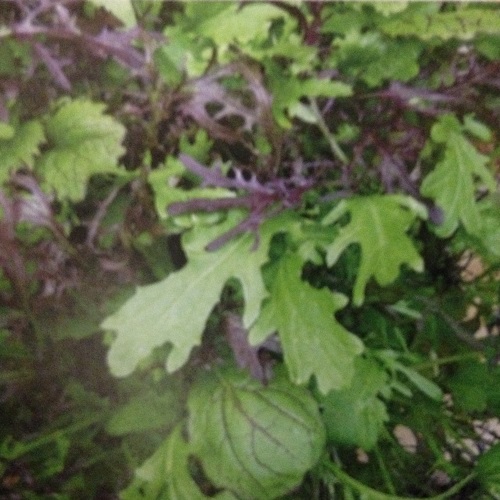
(334, 145)
(344, 478)
(384, 471)
(446, 360)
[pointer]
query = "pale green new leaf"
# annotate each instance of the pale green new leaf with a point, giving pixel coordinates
(21, 148)
(452, 183)
(175, 310)
(257, 441)
(83, 142)
(355, 416)
(313, 341)
(378, 224)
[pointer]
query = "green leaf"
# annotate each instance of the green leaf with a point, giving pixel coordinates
(175, 310)
(257, 441)
(121, 9)
(165, 475)
(369, 57)
(83, 142)
(488, 470)
(287, 90)
(20, 149)
(6, 131)
(463, 24)
(469, 386)
(241, 25)
(145, 412)
(378, 225)
(355, 416)
(313, 341)
(452, 183)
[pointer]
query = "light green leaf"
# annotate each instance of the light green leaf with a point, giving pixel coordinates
(463, 24)
(257, 441)
(287, 90)
(452, 183)
(6, 131)
(423, 384)
(239, 24)
(20, 149)
(84, 142)
(378, 224)
(355, 416)
(175, 310)
(121, 9)
(165, 475)
(313, 341)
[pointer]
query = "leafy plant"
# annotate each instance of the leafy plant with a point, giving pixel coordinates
(243, 245)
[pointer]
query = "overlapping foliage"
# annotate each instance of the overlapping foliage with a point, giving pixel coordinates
(244, 244)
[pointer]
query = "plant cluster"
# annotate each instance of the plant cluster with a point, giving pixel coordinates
(249, 250)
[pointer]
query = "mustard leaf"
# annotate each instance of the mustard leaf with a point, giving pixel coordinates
(355, 415)
(157, 313)
(452, 183)
(257, 441)
(83, 141)
(378, 224)
(165, 474)
(313, 341)
(20, 148)
(462, 23)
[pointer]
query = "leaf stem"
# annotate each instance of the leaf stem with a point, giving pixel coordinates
(334, 145)
(373, 494)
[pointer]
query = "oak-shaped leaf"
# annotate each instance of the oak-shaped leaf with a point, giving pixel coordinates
(452, 184)
(256, 441)
(83, 141)
(176, 309)
(20, 148)
(165, 474)
(355, 415)
(313, 341)
(378, 224)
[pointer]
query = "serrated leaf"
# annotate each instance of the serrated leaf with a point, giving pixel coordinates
(355, 416)
(378, 224)
(20, 149)
(175, 310)
(313, 341)
(452, 183)
(257, 441)
(165, 475)
(84, 141)
(239, 24)
(463, 24)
